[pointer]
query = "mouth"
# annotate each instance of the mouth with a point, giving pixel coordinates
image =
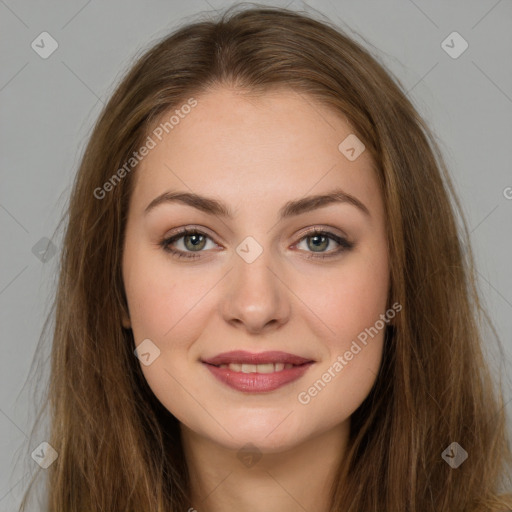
(262, 362)
(257, 368)
(260, 372)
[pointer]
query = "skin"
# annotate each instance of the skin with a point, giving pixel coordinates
(255, 154)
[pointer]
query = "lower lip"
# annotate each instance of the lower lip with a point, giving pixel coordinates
(258, 382)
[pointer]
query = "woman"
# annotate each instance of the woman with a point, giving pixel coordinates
(264, 303)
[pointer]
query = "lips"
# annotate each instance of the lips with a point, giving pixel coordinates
(243, 357)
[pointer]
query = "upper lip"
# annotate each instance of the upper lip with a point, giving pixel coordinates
(243, 357)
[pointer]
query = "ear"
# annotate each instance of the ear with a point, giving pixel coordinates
(125, 319)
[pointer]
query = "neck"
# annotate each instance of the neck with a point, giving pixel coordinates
(225, 480)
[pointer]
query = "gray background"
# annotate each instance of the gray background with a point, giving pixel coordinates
(48, 107)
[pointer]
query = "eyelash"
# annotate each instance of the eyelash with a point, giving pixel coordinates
(345, 245)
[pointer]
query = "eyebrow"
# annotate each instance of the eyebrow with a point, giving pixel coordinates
(290, 209)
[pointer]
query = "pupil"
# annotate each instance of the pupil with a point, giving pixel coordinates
(317, 238)
(195, 241)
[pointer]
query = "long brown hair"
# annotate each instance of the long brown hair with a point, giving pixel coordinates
(120, 449)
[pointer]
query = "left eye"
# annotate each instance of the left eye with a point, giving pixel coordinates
(321, 239)
(195, 241)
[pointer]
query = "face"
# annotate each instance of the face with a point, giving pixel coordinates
(254, 276)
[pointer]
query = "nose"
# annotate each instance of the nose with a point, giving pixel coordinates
(256, 297)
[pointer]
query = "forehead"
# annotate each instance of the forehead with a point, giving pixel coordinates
(240, 147)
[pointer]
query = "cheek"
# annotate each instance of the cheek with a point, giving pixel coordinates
(353, 306)
(166, 302)
(162, 309)
(351, 302)
(348, 298)
(337, 389)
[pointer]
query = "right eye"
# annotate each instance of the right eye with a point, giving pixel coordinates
(193, 241)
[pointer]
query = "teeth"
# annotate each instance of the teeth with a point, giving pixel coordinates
(248, 368)
(257, 368)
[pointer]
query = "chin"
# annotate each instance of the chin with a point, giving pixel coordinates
(268, 432)
(247, 440)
